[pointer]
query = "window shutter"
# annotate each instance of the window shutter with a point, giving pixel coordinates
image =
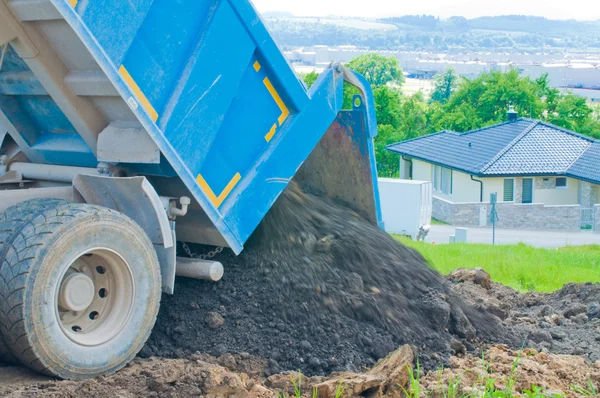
(509, 189)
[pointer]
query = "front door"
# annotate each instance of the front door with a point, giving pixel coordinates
(527, 190)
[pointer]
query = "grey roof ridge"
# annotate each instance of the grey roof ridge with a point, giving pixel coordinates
(420, 138)
(564, 130)
(498, 125)
(580, 155)
(509, 146)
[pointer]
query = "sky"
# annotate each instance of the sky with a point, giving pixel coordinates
(552, 9)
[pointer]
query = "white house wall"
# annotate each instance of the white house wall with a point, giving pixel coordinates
(553, 195)
(464, 190)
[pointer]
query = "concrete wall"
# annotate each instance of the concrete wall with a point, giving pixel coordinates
(511, 215)
(597, 218)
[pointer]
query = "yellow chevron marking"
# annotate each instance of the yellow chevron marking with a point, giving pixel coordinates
(214, 199)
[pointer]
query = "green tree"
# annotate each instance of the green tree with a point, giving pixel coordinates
(310, 78)
(571, 112)
(379, 70)
(486, 99)
(445, 84)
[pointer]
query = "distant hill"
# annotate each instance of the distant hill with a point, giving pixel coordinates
(426, 32)
(505, 23)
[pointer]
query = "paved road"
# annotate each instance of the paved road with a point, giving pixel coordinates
(441, 234)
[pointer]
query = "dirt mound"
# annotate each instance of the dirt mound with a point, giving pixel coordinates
(564, 322)
(319, 289)
(516, 372)
(202, 375)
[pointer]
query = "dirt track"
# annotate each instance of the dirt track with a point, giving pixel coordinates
(319, 290)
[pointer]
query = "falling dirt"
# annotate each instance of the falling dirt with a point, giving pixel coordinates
(318, 289)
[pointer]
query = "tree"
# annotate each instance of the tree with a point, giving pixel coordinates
(486, 99)
(378, 69)
(310, 78)
(445, 84)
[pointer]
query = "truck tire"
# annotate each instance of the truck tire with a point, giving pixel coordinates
(11, 219)
(80, 290)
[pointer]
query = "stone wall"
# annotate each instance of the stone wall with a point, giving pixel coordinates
(511, 215)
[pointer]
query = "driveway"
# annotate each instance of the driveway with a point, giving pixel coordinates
(551, 239)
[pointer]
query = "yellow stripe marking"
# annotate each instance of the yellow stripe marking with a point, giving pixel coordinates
(214, 199)
(138, 93)
(284, 110)
(73, 3)
(256, 66)
(271, 133)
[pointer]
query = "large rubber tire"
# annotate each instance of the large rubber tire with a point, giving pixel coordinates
(35, 262)
(10, 220)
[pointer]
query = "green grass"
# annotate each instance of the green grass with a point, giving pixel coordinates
(521, 267)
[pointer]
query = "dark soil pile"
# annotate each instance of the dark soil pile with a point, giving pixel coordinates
(319, 289)
(564, 322)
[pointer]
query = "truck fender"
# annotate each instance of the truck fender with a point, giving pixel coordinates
(136, 198)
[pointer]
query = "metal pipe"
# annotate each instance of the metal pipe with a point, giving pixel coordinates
(480, 188)
(48, 172)
(199, 269)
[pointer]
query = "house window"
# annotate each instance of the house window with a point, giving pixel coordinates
(509, 189)
(561, 182)
(442, 180)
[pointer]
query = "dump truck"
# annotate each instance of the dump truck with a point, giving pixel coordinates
(132, 128)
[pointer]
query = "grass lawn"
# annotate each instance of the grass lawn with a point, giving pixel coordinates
(519, 266)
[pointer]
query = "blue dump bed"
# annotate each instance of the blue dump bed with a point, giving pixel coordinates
(192, 94)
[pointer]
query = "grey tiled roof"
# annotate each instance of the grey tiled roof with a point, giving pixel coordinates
(521, 147)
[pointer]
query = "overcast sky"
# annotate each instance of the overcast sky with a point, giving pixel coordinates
(553, 9)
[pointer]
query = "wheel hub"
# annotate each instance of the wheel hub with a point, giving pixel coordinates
(76, 293)
(95, 297)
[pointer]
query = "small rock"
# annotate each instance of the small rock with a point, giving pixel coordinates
(375, 290)
(578, 351)
(539, 336)
(594, 311)
(575, 310)
(476, 275)
(228, 361)
(557, 335)
(179, 329)
(580, 319)
(273, 364)
(280, 327)
(250, 294)
(276, 355)
(457, 347)
(214, 320)
(545, 311)
(355, 282)
(194, 305)
(460, 325)
(219, 350)
(314, 362)
(366, 341)
(305, 346)
(545, 325)
(554, 319)
(324, 244)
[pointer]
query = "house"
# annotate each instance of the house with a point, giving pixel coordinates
(545, 177)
